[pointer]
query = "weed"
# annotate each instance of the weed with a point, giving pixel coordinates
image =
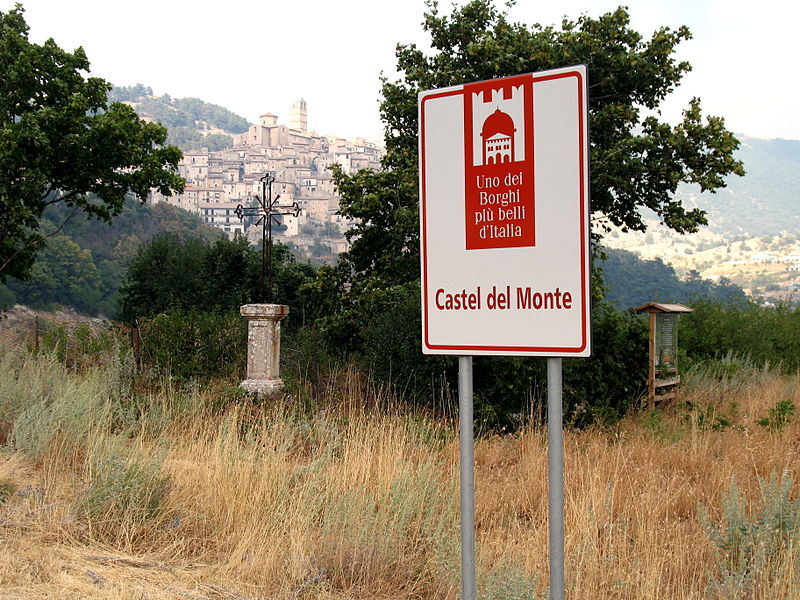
(507, 583)
(6, 490)
(709, 417)
(780, 415)
(126, 489)
(752, 551)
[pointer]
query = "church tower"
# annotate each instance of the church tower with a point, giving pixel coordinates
(298, 116)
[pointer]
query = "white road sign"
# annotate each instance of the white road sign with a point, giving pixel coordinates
(504, 216)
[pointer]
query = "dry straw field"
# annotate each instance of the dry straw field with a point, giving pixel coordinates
(112, 489)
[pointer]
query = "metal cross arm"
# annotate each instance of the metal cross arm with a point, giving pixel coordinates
(292, 209)
(274, 210)
(250, 211)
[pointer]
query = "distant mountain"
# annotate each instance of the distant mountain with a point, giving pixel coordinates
(192, 123)
(631, 281)
(765, 201)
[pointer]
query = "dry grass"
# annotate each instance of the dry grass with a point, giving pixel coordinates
(266, 502)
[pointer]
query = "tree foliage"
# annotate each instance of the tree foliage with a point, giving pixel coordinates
(171, 274)
(109, 248)
(190, 139)
(61, 141)
(184, 117)
(631, 281)
(63, 272)
(745, 333)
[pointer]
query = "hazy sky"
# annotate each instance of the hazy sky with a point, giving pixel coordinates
(256, 57)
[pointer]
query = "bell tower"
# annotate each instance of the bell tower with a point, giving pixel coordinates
(298, 116)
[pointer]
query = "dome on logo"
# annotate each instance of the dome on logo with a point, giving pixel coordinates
(498, 138)
(498, 122)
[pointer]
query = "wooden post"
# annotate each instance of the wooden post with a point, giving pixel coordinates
(651, 377)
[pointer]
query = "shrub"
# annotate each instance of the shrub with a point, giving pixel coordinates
(49, 405)
(780, 415)
(767, 335)
(602, 387)
(755, 551)
(195, 344)
(123, 489)
(83, 345)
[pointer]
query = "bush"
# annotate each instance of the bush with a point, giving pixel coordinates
(605, 386)
(83, 345)
(755, 552)
(780, 415)
(767, 335)
(50, 405)
(123, 490)
(195, 344)
(602, 387)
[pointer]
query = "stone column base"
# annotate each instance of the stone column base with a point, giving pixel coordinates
(263, 388)
(263, 348)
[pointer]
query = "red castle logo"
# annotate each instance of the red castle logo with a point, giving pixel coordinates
(499, 176)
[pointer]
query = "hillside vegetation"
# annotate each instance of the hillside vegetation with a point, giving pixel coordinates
(765, 200)
(85, 263)
(752, 236)
(192, 123)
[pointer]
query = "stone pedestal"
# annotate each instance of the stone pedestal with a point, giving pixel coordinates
(263, 347)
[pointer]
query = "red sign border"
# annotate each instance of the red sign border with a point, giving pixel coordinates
(582, 138)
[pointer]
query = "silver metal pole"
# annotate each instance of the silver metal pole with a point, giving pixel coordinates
(555, 468)
(467, 478)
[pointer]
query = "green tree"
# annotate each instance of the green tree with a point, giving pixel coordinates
(164, 274)
(631, 281)
(61, 141)
(64, 274)
(230, 271)
(190, 274)
(129, 93)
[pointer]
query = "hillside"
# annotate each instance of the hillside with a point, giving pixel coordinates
(754, 225)
(84, 265)
(192, 123)
(631, 281)
(765, 201)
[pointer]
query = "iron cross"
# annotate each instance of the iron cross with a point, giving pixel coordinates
(267, 211)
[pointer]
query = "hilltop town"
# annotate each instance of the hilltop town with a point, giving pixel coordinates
(217, 182)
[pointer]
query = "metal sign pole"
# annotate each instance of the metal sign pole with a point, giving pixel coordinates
(467, 478)
(555, 468)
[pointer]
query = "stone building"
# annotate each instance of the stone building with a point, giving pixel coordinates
(217, 182)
